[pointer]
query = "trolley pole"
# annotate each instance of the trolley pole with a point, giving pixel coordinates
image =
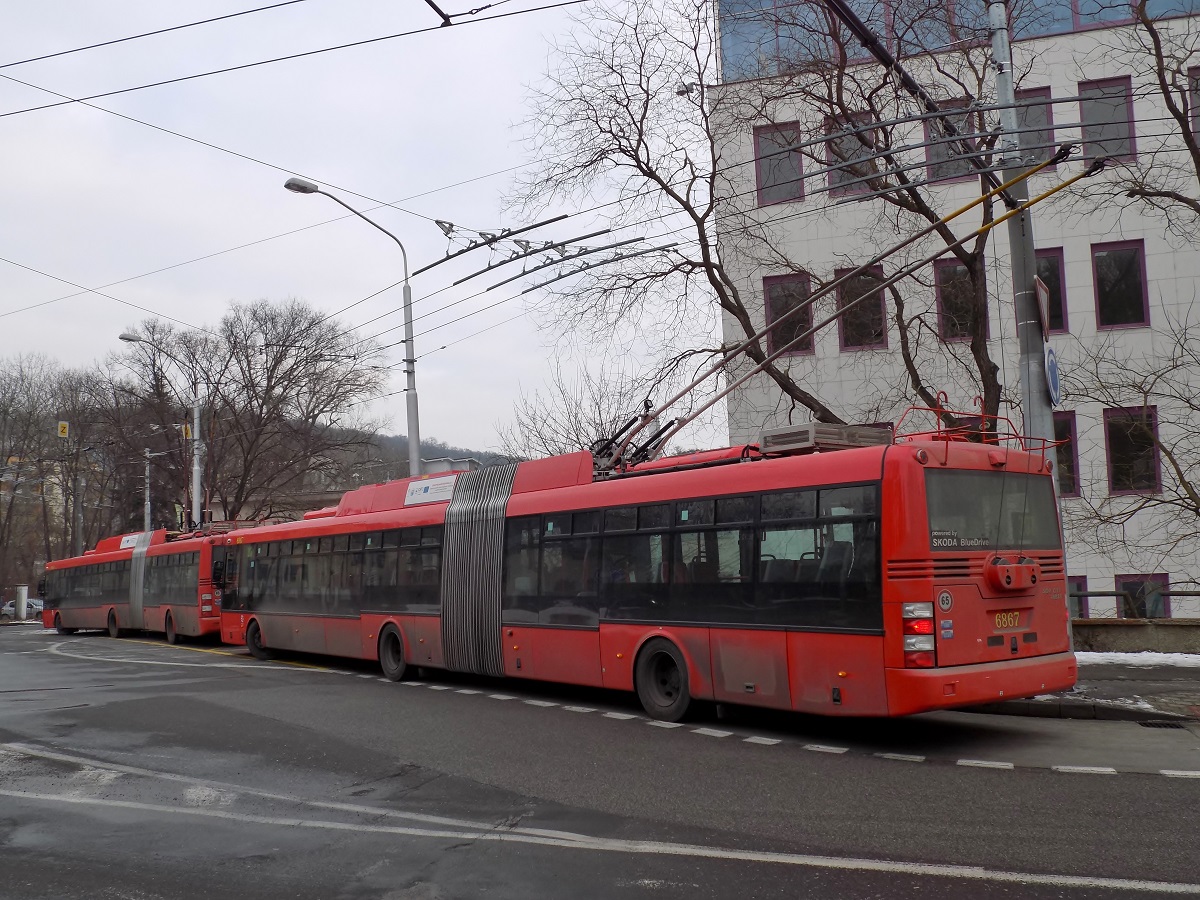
(1035, 390)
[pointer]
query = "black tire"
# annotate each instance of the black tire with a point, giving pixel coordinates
(169, 630)
(661, 679)
(391, 654)
(60, 627)
(255, 643)
(113, 630)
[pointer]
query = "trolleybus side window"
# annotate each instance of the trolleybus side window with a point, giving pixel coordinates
(634, 575)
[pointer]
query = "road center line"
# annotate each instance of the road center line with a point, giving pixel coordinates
(584, 842)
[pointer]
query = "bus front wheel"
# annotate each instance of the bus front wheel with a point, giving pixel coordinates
(113, 629)
(391, 654)
(60, 627)
(255, 643)
(661, 679)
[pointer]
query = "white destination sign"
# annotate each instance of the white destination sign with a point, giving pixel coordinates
(430, 490)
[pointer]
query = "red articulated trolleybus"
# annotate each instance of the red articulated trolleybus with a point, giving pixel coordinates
(146, 581)
(831, 570)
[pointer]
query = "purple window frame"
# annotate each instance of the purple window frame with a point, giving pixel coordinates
(1125, 81)
(1128, 412)
(882, 344)
(1161, 577)
(833, 164)
(1044, 94)
(960, 105)
(1078, 583)
(1057, 253)
(1122, 245)
(1068, 416)
(938, 267)
(794, 129)
(768, 282)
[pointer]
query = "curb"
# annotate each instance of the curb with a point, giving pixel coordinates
(1071, 708)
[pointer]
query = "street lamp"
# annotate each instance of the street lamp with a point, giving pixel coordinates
(197, 447)
(300, 186)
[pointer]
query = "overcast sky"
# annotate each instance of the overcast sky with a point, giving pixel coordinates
(96, 199)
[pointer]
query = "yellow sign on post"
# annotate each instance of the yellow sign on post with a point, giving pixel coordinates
(64, 429)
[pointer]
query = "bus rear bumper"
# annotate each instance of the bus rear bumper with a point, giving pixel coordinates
(919, 690)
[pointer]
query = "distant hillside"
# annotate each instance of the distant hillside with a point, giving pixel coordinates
(435, 449)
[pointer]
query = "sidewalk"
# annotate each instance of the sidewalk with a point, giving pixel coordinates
(1138, 687)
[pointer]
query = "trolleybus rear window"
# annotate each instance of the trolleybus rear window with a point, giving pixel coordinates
(973, 510)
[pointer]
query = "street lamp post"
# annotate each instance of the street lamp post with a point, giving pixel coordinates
(197, 447)
(300, 186)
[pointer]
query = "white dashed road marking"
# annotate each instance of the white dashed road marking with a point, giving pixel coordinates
(617, 715)
(439, 687)
(502, 696)
(712, 732)
(822, 748)
(902, 757)
(1178, 773)
(766, 742)
(658, 724)
(1085, 770)
(579, 709)
(541, 703)
(985, 764)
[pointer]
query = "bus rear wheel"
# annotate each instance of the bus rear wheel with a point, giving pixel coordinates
(60, 627)
(113, 629)
(391, 654)
(169, 628)
(255, 643)
(661, 679)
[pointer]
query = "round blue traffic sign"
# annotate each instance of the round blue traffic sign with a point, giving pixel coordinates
(1052, 378)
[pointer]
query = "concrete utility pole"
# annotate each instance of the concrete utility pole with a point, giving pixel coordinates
(146, 496)
(1035, 390)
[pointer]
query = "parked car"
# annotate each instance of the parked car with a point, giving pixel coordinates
(33, 609)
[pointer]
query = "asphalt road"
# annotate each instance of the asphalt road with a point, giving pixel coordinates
(130, 769)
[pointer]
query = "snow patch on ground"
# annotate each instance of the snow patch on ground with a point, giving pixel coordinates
(1145, 658)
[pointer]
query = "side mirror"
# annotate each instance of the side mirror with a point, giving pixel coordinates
(218, 573)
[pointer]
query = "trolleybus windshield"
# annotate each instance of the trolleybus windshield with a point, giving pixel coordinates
(974, 510)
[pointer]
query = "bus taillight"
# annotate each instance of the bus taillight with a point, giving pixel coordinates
(919, 650)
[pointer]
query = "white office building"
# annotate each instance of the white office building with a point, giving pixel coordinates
(806, 157)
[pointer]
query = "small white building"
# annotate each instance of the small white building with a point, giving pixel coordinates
(1123, 277)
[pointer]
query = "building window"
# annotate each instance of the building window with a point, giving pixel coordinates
(1119, 273)
(1145, 596)
(1035, 119)
(1050, 270)
(1067, 454)
(863, 325)
(943, 154)
(955, 300)
(784, 293)
(1077, 606)
(1106, 114)
(1130, 435)
(777, 164)
(850, 150)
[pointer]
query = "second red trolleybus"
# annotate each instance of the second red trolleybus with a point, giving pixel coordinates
(811, 575)
(145, 581)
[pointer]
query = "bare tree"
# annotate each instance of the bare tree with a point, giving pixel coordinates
(282, 390)
(572, 414)
(628, 110)
(1163, 179)
(1159, 393)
